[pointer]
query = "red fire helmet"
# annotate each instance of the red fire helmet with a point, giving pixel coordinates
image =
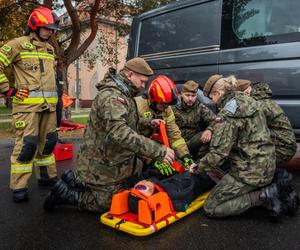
(43, 17)
(163, 90)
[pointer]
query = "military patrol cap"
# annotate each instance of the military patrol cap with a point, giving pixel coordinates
(139, 65)
(190, 86)
(243, 84)
(210, 84)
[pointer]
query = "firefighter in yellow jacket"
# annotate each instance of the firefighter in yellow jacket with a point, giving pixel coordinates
(34, 101)
(156, 106)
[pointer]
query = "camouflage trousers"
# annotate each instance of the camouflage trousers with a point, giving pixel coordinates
(229, 197)
(284, 153)
(196, 147)
(98, 200)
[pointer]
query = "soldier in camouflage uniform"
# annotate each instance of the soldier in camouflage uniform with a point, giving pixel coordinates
(193, 119)
(241, 135)
(282, 132)
(109, 154)
(155, 107)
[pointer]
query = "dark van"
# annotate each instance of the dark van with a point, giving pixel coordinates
(252, 39)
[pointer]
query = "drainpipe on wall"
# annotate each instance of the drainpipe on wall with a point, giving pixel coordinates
(77, 86)
(116, 48)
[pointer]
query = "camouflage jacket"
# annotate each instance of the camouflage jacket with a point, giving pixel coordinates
(111, 142)
(282, 132)
(192, 120)
(241, 134)
(147, 114)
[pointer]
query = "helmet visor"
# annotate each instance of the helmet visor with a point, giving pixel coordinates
(174, 99)
(52, 26)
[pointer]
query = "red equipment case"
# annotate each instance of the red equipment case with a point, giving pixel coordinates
(63, 152)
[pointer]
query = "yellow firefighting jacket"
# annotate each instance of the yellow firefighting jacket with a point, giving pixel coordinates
(146, 114)
(33, 64)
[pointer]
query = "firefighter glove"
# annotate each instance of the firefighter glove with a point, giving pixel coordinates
(187, 161)
(164, 168)
(20, 94)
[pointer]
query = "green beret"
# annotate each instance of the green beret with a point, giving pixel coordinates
(210, 84)
(139, 65)
(190, 86)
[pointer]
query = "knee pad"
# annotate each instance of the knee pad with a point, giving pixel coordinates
(51, 140)
(28, 149)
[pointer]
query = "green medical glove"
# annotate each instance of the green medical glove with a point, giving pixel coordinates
(163, 168)
(187, 161)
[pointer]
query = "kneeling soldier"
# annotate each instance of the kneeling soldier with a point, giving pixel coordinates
(193, 119)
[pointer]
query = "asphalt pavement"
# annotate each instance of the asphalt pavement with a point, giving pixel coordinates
(28, 226)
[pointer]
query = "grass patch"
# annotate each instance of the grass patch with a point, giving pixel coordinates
(4, 110)
(80, 120)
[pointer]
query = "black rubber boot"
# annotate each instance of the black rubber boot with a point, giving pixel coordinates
(283, 179)
(61, 194)
(20, 195)
(69, 178)
(47, 182)
(269, 197)
(291, 203)
(287, 194)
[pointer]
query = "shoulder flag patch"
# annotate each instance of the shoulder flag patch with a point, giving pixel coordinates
(231, 106)
(218, 119)
(121, 100)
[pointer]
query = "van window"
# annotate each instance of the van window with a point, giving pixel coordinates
(256, 22)
(180, 29)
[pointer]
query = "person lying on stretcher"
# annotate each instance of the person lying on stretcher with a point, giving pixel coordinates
(182, 189)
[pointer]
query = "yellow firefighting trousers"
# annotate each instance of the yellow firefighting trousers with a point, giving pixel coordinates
(35, 141)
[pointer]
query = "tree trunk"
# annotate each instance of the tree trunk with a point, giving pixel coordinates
(67, 111)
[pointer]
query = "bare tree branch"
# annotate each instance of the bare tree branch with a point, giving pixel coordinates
(75, 41)
(89, 40)
(48, 3)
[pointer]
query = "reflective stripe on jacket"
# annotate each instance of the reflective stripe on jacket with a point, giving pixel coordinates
(33, 64)
(177, 143)
(39, 97)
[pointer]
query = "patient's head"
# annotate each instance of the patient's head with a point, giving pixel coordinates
(146, 188)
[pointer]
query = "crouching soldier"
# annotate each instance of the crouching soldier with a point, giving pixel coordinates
(193, 119)
(155, 106)
(282, 132)
(241, 135)
(109, 154)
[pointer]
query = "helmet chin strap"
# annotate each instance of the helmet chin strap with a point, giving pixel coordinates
(27, 31)
(153, 107)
